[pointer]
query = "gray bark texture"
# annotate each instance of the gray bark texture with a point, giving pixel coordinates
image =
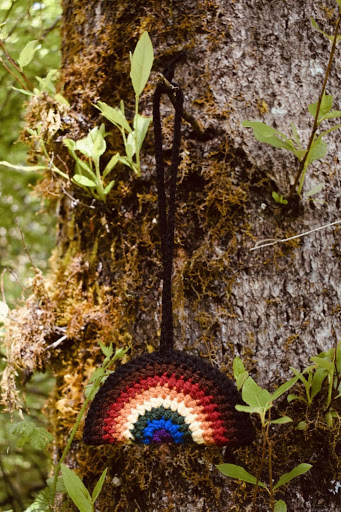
(274, 307)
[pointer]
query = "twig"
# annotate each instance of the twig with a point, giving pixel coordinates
(56, 343)
(277, 241)
(315, 125)
(23, 241)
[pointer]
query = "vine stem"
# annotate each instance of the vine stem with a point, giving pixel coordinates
(72, 435)
(303, 167)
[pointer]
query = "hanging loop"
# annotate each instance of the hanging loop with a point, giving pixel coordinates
(167, 208)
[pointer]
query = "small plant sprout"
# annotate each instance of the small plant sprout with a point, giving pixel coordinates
(141, 64)
(316, 148)
(326, 368)
(87, 171)
(260, 401)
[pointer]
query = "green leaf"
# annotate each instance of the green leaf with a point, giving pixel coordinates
(315, 190)
(330, 37)
(46, 84)
(318, 378)
(296, 135)
(93, 145)
(27, 53)
(281, 421)
(239, 473)
(302, 425)
(99, 486)
(291, 398)
(107, 350)
(238, 367)
(318, 150)
(249, 409)
(241, 379)
(297, 471)
(114, 115)
(77, 490)
(267, 134)
(141, 125)
(111, 164)
(29, 168)
(279, 198)
(280, 506)
(332, 114)
(119, 353)
(28, 433)
(284, 387)
(323, 363)
(83, 181)
(325, 107)
(254, 395)
(109, 187)
(61, 99)
(23, 91)
(141, 63)
(97, 374)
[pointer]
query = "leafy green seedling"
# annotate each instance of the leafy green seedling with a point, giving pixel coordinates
(87, 169)
(259, 401)
(141, 64)
(327, 366)
(78, 492)
(317, 147)
(28, 433)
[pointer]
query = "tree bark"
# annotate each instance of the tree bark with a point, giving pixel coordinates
(274, 307)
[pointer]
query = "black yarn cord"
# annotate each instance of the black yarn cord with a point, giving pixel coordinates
(167, 211)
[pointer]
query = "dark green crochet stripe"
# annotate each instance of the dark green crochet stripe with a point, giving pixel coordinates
(157, 413)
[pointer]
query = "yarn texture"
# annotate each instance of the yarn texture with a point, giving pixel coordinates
(167, 397)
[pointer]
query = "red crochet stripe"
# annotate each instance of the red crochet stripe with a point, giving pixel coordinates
(181, 386)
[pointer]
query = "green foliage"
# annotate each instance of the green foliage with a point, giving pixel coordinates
(260, 401)
(78, 492)
(326, 368)
(21, 23)
(317, 148)
(29, 433)
(88, 173)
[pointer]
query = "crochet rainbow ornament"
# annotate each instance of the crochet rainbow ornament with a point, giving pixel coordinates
(164, 398)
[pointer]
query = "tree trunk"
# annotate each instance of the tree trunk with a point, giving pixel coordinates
(274, 307)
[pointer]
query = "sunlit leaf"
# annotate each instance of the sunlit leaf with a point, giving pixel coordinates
(297, 471)
(77, 490)
(29, 168)
(141, 125)
(141, 63)
(265, 133)
(280, 506)
(114, 115)
(325, 107)
(27, 53)
(239, 473)
(83, 181)
(318, 150)
(99, 486)
(282, 420)
(254, 395)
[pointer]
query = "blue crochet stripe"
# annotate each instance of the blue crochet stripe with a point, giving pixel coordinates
(162, 424)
